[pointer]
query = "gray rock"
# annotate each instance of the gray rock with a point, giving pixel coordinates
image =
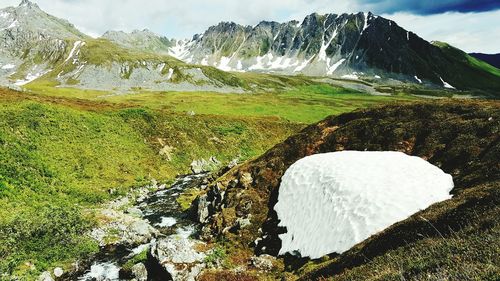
(140, 272)
(134, 211)
(58, 272)
(180, 257)
(246, 180)
(45, 276)
(243, 222)
(263, 262)
(202, 165)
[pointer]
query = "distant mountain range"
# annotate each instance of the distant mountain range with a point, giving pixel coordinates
(36, 45)
(493, 59)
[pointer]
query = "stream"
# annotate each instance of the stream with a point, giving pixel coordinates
(162, 211)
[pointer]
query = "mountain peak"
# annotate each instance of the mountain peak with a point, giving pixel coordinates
(28, 3)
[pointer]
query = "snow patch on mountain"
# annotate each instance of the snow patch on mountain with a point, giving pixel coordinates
(330, 202)
(76, 45)
(446, 84)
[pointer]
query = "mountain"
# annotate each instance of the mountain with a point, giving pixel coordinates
(31, 41)
(45, 51)
(350, 46)
(492, 59)
(461, 138)
(141, 40)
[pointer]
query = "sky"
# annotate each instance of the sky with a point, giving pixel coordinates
(471, 25)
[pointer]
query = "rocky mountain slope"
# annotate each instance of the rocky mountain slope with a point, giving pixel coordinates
(38, 46)
(349, 46)
(462, 139)
(141, 40)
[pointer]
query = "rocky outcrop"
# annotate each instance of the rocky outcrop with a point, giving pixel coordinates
(203, 166)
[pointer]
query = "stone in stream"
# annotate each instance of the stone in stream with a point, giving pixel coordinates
(140, 272)
(181, 257)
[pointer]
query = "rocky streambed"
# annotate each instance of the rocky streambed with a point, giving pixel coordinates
(151, 239)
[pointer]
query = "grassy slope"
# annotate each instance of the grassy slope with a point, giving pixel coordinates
(60, 156)
(303, 103)
(468, 72)
(63, 149)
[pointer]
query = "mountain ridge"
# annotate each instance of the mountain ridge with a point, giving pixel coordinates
(356, 46)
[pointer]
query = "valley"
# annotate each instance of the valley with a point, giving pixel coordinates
(135, 156)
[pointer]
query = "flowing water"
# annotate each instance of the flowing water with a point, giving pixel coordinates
(163, 213)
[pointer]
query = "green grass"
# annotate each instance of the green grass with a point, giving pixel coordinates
(65, 148)
(61, 156)
(304, 104)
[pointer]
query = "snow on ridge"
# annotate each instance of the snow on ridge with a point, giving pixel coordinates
(330, 202)
(418, 79)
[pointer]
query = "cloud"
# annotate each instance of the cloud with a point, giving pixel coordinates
(183, 19)
(428, 7)
(471, 32)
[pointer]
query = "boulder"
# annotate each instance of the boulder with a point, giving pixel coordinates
(58, 272)
(203, 166)
(140, 272)
(45, 276)
(179, 256)
(263, 262)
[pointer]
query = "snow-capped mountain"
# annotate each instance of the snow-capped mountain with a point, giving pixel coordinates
(31, 41)
(346, 46)
(37, 45)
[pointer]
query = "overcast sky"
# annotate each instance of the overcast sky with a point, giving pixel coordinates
(472, 25)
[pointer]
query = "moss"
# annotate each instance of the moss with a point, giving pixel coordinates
(187, 197)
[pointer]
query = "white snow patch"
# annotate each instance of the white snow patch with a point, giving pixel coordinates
(334, 67)
(166, 222)
(330, 202)
(181, 49)
(377, 77)
(139, 249)
(303, 65)
(239, 66)
(350, 76)
(224, 64)
(102, 271)
(76, 45)
(324, 46)
(446, 85)
(365, 25)
(4, 15)
(408, 35)
(418, 79)
(8, 66)
(170, 73)
(13, 24)
(30, 77)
